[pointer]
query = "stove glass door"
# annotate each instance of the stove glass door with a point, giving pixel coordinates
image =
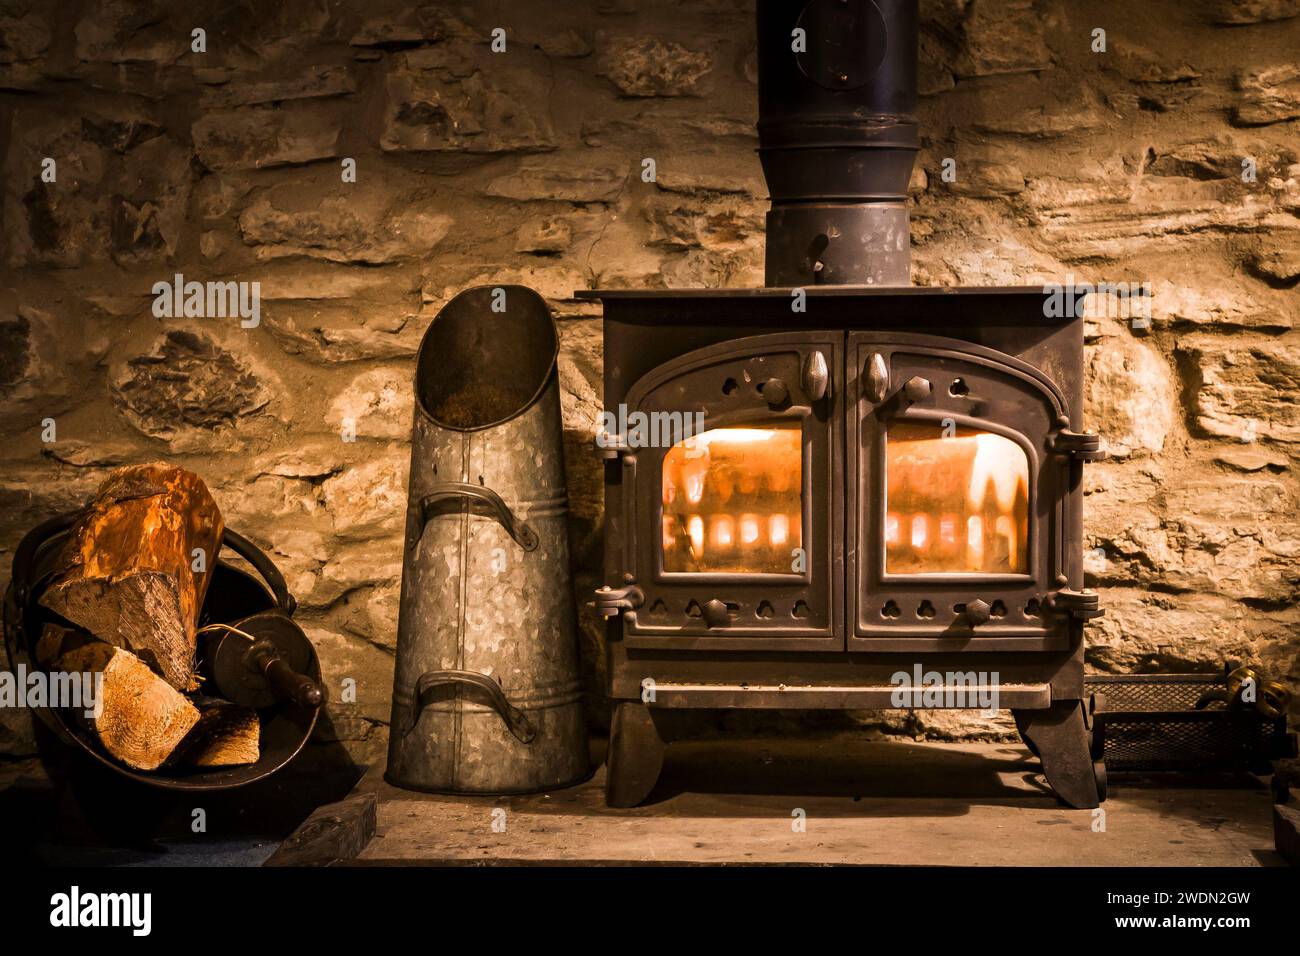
(732, 500)
(734, 526)
(957, 497)
(956, 500)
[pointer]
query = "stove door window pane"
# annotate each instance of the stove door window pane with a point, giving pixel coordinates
(732, 500)
(955, 502)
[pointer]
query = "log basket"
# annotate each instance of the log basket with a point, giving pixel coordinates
(233, 594)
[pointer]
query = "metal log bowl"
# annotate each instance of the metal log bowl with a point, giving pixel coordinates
(232, 594)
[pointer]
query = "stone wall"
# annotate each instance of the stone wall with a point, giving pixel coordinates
(474, 166)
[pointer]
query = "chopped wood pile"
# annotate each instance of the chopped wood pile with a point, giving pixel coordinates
(128, 587)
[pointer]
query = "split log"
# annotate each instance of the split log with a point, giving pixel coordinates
(127, 573)
(55, 641)
(139, 718)
(225, 736)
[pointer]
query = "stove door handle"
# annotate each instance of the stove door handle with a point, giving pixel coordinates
(877, 378)
(816, 376)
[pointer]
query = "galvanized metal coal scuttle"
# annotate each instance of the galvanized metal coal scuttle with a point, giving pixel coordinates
(486, 693)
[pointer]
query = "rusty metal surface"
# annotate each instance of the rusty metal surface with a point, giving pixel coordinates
(474, 598)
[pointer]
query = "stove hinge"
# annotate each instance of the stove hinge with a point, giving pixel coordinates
(611, 601)
(1081, 446)
(1085, 604)
(611, 444)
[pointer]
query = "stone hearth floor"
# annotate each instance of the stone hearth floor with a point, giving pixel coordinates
(735, 801)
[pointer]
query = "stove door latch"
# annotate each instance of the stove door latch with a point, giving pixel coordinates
(1081, 446)
(1085, 604)
(611, 601)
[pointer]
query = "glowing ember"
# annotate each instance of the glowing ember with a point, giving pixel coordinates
(778, 529)
(920, 531)
(695, 530)
(722, 532)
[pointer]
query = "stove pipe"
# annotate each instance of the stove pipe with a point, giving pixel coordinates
(837, 138)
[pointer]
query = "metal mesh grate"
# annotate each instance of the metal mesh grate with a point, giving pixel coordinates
(1147, 692)
(1149, 722)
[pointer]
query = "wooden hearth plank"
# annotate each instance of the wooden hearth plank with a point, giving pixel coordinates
(862, 803)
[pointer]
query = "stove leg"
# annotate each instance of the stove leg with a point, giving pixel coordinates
(1022, 722)
(636, 754)
(1060, 738)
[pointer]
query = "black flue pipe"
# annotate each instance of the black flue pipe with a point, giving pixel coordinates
(837, 138)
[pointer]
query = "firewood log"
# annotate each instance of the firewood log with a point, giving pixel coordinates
(127, 573)
(139, 718)
(57, 640)
(225, 736)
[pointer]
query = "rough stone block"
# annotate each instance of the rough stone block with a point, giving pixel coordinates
(449, 101)
(1248, 391)
(126, 31)
(315, 83)
(378, 403)
(186, 382)
(1002, 36)
(23, 36)
(648, 66)
(341, 223)
(1268, 95)
(46, 358)
(1237, 12)
(560, 181)
(369, 498)
(1131, 396)
(260, 138)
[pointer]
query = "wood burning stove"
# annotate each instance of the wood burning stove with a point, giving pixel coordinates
(814, 486)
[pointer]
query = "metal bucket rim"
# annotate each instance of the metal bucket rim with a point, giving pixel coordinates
(545, 381)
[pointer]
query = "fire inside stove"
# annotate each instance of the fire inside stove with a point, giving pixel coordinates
(957, 500)
(732, 501)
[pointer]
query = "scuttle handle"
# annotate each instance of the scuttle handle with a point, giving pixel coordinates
(515, 719)
(462, 491)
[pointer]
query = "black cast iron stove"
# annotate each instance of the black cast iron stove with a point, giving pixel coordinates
(885, 479)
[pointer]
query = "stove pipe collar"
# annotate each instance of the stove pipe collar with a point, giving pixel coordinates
(837, 138)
